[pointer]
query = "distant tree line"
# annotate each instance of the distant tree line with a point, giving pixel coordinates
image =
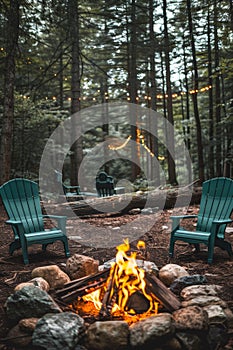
(174, 57)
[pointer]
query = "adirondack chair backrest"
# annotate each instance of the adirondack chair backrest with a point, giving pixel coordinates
(216, 203)
(21, 200)
(104, 184)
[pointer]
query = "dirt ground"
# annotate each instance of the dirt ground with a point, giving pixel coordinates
(13, 271)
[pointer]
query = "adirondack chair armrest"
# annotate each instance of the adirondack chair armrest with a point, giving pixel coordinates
(176, 220)
(13, 222)
(61, 221)
(18, 227)
(221, 222)
(217, 223)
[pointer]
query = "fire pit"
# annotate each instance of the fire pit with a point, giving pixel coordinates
(121, 307)
(122, 291)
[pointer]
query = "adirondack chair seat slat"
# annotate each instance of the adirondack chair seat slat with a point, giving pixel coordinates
(44, 235)
(215, 211)
(21, 200)
(192, 237)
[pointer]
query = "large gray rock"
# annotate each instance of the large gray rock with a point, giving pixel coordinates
(108, 335)
(30, 301)
(151, 330)
(58, 332)
(203, 300)
(216, 314)
(191, 292)
(185, 281)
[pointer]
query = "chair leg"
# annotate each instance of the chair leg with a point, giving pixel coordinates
(225, 246)
(171, 248)
(44, 246)
(66, 247)
(197, 247)
(25, 256)
(24, 250)
(210, 253)
(13, 246)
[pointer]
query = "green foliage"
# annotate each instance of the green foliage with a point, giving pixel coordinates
(33, 125)
(43, 72)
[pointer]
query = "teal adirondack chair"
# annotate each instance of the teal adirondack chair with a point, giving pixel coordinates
(72, 192)
(21, 200)
(215, 211)
(104, 184)
(69, 191)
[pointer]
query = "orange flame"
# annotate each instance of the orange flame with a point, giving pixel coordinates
(126, 279)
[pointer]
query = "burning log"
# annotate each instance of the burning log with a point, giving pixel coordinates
(124, 287)
(82, 286)
(108, 296)
(161, 292)
(138, 303)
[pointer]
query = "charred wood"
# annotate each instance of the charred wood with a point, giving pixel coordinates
(162, 293)
(82, 286)
(105, 310)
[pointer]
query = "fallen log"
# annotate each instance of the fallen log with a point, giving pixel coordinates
(123, 203)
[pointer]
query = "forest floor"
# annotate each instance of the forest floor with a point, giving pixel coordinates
(13, 271)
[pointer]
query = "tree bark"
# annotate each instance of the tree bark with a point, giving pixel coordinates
(155, 174)
(187, 129)
(77, 150)
(194, 96)
(218, 131)
(211, 111)
(159, 200)
(133, 87)
(8, 104)
(170, 130)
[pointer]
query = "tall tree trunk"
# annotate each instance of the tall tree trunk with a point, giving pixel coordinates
(231, 13)
(77, 151)
(187, 130)
(194, 96)
(170, 131)
(133, 87)
(218, 131)
(155, 174)
(104, 95)
(61, 94)
(211, 111)
(12, 34)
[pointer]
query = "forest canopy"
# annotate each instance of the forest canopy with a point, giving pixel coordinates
(172, 57)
